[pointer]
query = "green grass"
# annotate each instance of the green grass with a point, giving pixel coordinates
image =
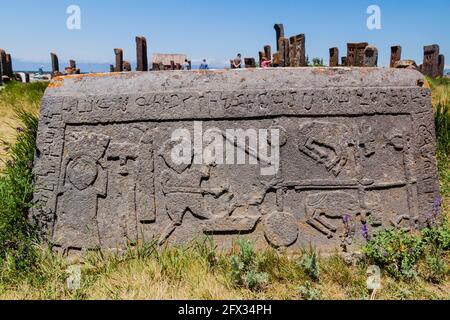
(415, 266)
(16, 234)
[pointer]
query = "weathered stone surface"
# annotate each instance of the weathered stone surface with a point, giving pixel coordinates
(2, 64)
(357, 149)
(141, 51)
(430, 66)
(279, 29)
(9, 68)
(396, 55)
(55, 62)
(297, 51)
(55, 65)
(119, 60)
(334, 57)
(268, 52)
(370, 57)
(355, 54)
(250, 62)
(441, 65)
(126, 66)
(344, 61)
(406, 64)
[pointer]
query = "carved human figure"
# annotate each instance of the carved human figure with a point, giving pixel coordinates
(130, 199)
(184, 190)
(83, 180)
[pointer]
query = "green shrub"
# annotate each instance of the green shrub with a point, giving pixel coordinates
(244, 267)
(310, 292)
(396, 251)
(400, 253)
(16, 233)
(310, 264)
(442, 117)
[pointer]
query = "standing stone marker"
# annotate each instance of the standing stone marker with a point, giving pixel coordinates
(142, 59)
(356, 151)
(430, 66)
(355, 54)
(297, 51)
(9, 68)
(396, 55)
(344, 61)
(55, 65)
(119, 60)
(279, 29)
(441, 65)
(334, 57)
(126, 66)
(250, 62)
(268, 52)
(371, 57)
(2, 65)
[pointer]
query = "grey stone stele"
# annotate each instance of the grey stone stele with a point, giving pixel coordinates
(357, 156)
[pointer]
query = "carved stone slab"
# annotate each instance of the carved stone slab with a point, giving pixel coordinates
(357, 153)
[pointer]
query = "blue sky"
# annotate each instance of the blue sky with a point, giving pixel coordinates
(216, 30)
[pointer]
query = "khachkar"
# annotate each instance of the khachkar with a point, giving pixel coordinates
(334, 57)
(121, 158)
(2, 65)
(433, 62)
(141, 50)
(396, 55)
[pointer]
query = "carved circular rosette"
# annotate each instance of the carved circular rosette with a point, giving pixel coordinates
(281, 229)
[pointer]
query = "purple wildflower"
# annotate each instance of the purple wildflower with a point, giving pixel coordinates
(365, 232)
(437, 205)
(346, 219)
(20, 129)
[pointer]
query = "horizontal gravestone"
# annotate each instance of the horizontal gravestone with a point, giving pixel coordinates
(287, 157)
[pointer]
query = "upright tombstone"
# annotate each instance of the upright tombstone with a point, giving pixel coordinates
(142, 59)
(329, 154)
(73, 64)
(371, 57)
(282, 53)
(279, 29)
(268, 52)
(287, 50)
(172, 65)
(9, 68)
(155, 66)
(250, 63)
(2, 64)
(430, 66)
(111, 68)
(441, 65)
(344, 61)
(355, 54)
(119, 60)
(55, 65)
(334, 57)
(297, 51)
(276, 59)
(126, 66)
(396, 55)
